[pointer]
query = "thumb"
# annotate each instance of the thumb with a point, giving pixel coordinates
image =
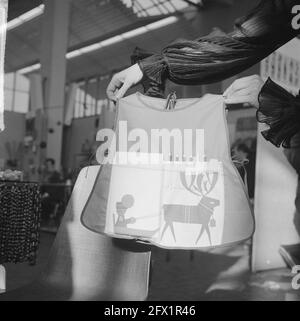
(237, 100)
(227, 91)
(122, 91)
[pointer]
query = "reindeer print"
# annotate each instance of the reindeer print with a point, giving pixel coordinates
(202, 213)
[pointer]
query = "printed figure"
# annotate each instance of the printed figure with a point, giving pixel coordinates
(127, 202)
(120, 225)
(202, 213)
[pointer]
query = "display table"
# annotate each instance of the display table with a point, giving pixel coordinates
(20, 207)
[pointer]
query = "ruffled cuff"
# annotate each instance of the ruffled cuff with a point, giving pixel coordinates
(154, 68)
(281, 111)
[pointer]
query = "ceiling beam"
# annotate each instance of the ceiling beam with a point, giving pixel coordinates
(18, 7)
(199, 5)
(140, 23)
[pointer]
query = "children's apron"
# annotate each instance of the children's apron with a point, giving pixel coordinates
(172, 182)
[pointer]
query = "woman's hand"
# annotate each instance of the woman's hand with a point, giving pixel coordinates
(122, 81)
(244, 91)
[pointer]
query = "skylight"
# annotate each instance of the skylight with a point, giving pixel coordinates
(142, 8)
(27, 16)
(146, 8)
(27, 70)
(126, 35)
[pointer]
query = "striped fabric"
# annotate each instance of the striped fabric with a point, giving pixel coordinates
(281, 111)
(219, 55)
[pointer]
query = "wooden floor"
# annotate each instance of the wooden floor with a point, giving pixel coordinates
(182, 275)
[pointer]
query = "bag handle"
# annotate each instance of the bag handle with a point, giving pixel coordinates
(171, 101)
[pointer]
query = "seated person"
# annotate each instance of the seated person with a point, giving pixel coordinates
(51, 195)
(245, 156)
(51, 174)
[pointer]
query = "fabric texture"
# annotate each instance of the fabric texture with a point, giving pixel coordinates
(203, 210)
(85, 266)
(218, 56)
(281, 111)
(20, 209)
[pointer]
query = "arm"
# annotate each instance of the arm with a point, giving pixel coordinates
(276, 107)
(216, 56)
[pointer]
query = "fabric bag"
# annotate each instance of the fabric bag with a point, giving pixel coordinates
(171, 181)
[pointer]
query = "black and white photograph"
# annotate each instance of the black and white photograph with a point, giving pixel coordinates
(149, 153)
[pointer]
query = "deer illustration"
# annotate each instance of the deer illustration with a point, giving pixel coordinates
(200, 185)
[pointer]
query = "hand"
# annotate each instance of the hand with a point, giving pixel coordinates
(122, 81)
(244, 91)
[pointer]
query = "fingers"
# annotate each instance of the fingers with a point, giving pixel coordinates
(242, 96)
(117, 87)
(244, 91)
(113, 86)
(235, 89)
(236, 85)
(122, 91)
(242, 83)
(122, 81)
(239, 92)
(238, 100)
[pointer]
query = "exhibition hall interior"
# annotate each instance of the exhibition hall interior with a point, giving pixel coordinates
(59, 58)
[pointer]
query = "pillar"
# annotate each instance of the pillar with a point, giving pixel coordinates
(53, 69)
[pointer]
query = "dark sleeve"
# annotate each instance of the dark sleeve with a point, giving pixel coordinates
(219, 55)
(281, 111)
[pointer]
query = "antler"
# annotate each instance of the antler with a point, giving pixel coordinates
(210, 182)
(204, 183)
(190, 186)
